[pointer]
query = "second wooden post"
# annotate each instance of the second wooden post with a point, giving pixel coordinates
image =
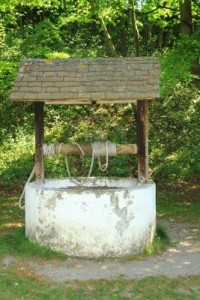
(142, 139)
(39, 141)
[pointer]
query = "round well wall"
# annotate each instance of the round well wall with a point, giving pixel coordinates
(101, 218)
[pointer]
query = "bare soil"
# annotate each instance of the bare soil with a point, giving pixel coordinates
(181, 259)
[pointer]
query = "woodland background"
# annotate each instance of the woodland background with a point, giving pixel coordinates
(83, 28)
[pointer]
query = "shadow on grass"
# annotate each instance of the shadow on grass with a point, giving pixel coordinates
(15, 243)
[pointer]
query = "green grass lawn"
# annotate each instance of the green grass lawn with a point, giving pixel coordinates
(179, 202)
(18, 283)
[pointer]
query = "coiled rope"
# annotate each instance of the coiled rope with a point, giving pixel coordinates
(101, 149)
(98, 149)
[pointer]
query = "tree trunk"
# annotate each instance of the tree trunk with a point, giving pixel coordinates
(21, 26)
(135, 28)
(123, 38)
(186, 17)
(64, 5)
(108, 38)
(160, 38)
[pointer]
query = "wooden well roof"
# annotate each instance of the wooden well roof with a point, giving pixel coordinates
(87, 80)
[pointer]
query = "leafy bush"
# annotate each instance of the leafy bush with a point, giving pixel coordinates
(177, 64)
(175, 134)
(13, 116)
(44, 39)
(16, 160)
(175, 118)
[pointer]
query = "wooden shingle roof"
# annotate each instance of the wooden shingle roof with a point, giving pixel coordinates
(87, 80)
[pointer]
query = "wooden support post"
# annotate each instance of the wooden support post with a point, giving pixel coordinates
(39, 140)
(142, 138)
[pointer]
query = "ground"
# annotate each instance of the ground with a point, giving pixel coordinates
(182, 258)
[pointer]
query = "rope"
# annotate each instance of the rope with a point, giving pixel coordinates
(98, 149)
(48, 150)
(74, 180)
(22, 206)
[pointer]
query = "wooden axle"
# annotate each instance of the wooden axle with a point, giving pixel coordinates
(73, 149)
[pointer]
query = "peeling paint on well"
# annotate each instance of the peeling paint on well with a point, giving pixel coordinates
(105, 217)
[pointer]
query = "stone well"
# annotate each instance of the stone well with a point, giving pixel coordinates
(102, 217)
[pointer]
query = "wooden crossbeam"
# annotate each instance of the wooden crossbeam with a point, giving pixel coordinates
(73, 149)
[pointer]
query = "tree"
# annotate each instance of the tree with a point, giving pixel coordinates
(135, 28)
(186, 16)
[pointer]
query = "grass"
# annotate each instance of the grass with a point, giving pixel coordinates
(179, 202)
(12, 233)
(18, 282)
(15, 243)
(160, 243)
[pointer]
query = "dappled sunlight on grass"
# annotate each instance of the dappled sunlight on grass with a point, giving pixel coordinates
(179, 201)
(8, 226)
(11, 216)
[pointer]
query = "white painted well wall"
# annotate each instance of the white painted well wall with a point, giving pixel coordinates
(104, 217)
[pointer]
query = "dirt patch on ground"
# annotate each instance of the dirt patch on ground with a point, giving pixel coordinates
(181, 259)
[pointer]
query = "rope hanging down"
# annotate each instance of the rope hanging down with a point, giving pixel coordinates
(22, 206)
(98, 149)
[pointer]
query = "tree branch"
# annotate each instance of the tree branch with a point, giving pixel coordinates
(159, 7)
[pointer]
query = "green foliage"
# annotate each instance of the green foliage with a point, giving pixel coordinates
(16, 160)
(160, 243)
(57, 55)
(2, 38)
(43, 40)
(12, 115)
(177, 63)
(161, 13)
(175, 118)
(174, 132)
